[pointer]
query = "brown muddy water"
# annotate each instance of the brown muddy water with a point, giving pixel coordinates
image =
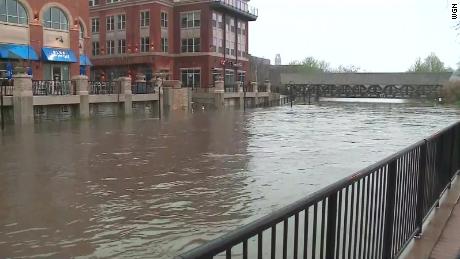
(144, 188)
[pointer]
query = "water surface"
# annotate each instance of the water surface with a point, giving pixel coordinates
(151, 189)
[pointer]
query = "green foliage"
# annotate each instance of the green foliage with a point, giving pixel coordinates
(430, 64)
(310, 64)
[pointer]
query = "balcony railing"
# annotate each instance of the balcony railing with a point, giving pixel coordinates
(374, 213)
(238, 5)
(104, 87)
(6, 86)
(143, 88)
(50, 87)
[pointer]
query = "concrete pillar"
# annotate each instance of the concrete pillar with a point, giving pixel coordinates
(255, 87)
(125, 84)
(268, 85)
(219, 94)
(256, 91)
(239, 85)
(23, 102)
(81, 84)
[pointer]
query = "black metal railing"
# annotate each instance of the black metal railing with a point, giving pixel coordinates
(231, 88)
(262, 88)
(104, 87)
(50, 87)
(249, 88)
(7, 87)
(143, 88)
(374, 213)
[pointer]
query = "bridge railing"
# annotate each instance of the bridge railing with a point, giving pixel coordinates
(373, 213)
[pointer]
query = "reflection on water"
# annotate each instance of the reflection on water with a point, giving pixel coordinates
(149, 188)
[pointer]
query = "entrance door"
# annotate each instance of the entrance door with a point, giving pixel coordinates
(56, 73)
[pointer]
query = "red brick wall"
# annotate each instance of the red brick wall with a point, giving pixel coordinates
(139, 61)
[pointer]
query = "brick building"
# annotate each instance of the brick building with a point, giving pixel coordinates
(47, 37)
(189, 40)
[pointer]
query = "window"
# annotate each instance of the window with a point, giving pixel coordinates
(229, 77)
(96, 49)
(110, 46)
(145, 18)
(145, 43)
(122, 46)
(110, 21)
(191, 45)
(164, 20)
(191, 77)
(164, 44)
(113, 1)
(81, 31)
(190, 19)
(55, 18)
(121, 21)
(241, 76)
(12, 11)
(93, 2)
(95, 25)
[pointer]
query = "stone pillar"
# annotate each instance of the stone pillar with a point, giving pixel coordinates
(23, 102)
(256, 91)
(219, 94)
(268, 85)
(125, 84)
(81, 85)
(239, 85)
(255, 87)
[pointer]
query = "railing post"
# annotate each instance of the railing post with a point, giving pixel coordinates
(331, 227)
(421, 189)
(389, 211)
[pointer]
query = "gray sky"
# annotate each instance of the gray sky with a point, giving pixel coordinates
(375, 35)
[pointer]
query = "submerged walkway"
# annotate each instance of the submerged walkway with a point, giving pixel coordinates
(448, 245)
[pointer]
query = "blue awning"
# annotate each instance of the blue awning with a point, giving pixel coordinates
(84, 61)
(59, 55)
(14, 51)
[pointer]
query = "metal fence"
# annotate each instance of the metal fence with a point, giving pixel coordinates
(6, 87)
(104, 87)
(143, 88)
(50, 87)
(262, 88)
(374, 213)
(231, 88)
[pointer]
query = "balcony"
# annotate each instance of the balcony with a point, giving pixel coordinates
(239, 7)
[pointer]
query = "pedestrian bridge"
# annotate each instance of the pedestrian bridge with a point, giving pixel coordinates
(366, 85)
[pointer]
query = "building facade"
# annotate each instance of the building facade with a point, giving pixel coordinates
(48, 39)
(193, 41)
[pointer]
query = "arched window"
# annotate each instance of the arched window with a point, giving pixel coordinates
(12, 11)
(81, 31)
(55, 18)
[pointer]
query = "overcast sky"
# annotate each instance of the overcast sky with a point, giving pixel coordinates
(375, 35)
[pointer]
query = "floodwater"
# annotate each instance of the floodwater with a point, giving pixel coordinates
(145, 188)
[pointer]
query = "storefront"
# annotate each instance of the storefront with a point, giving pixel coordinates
(57, 63)
(13, 56)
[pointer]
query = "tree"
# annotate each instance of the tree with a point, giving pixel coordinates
(347, 69)
(310, 64)
(430, 64)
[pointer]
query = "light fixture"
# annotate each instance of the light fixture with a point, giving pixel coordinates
(60, 39)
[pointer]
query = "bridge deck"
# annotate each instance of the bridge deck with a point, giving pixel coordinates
(448, 245)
